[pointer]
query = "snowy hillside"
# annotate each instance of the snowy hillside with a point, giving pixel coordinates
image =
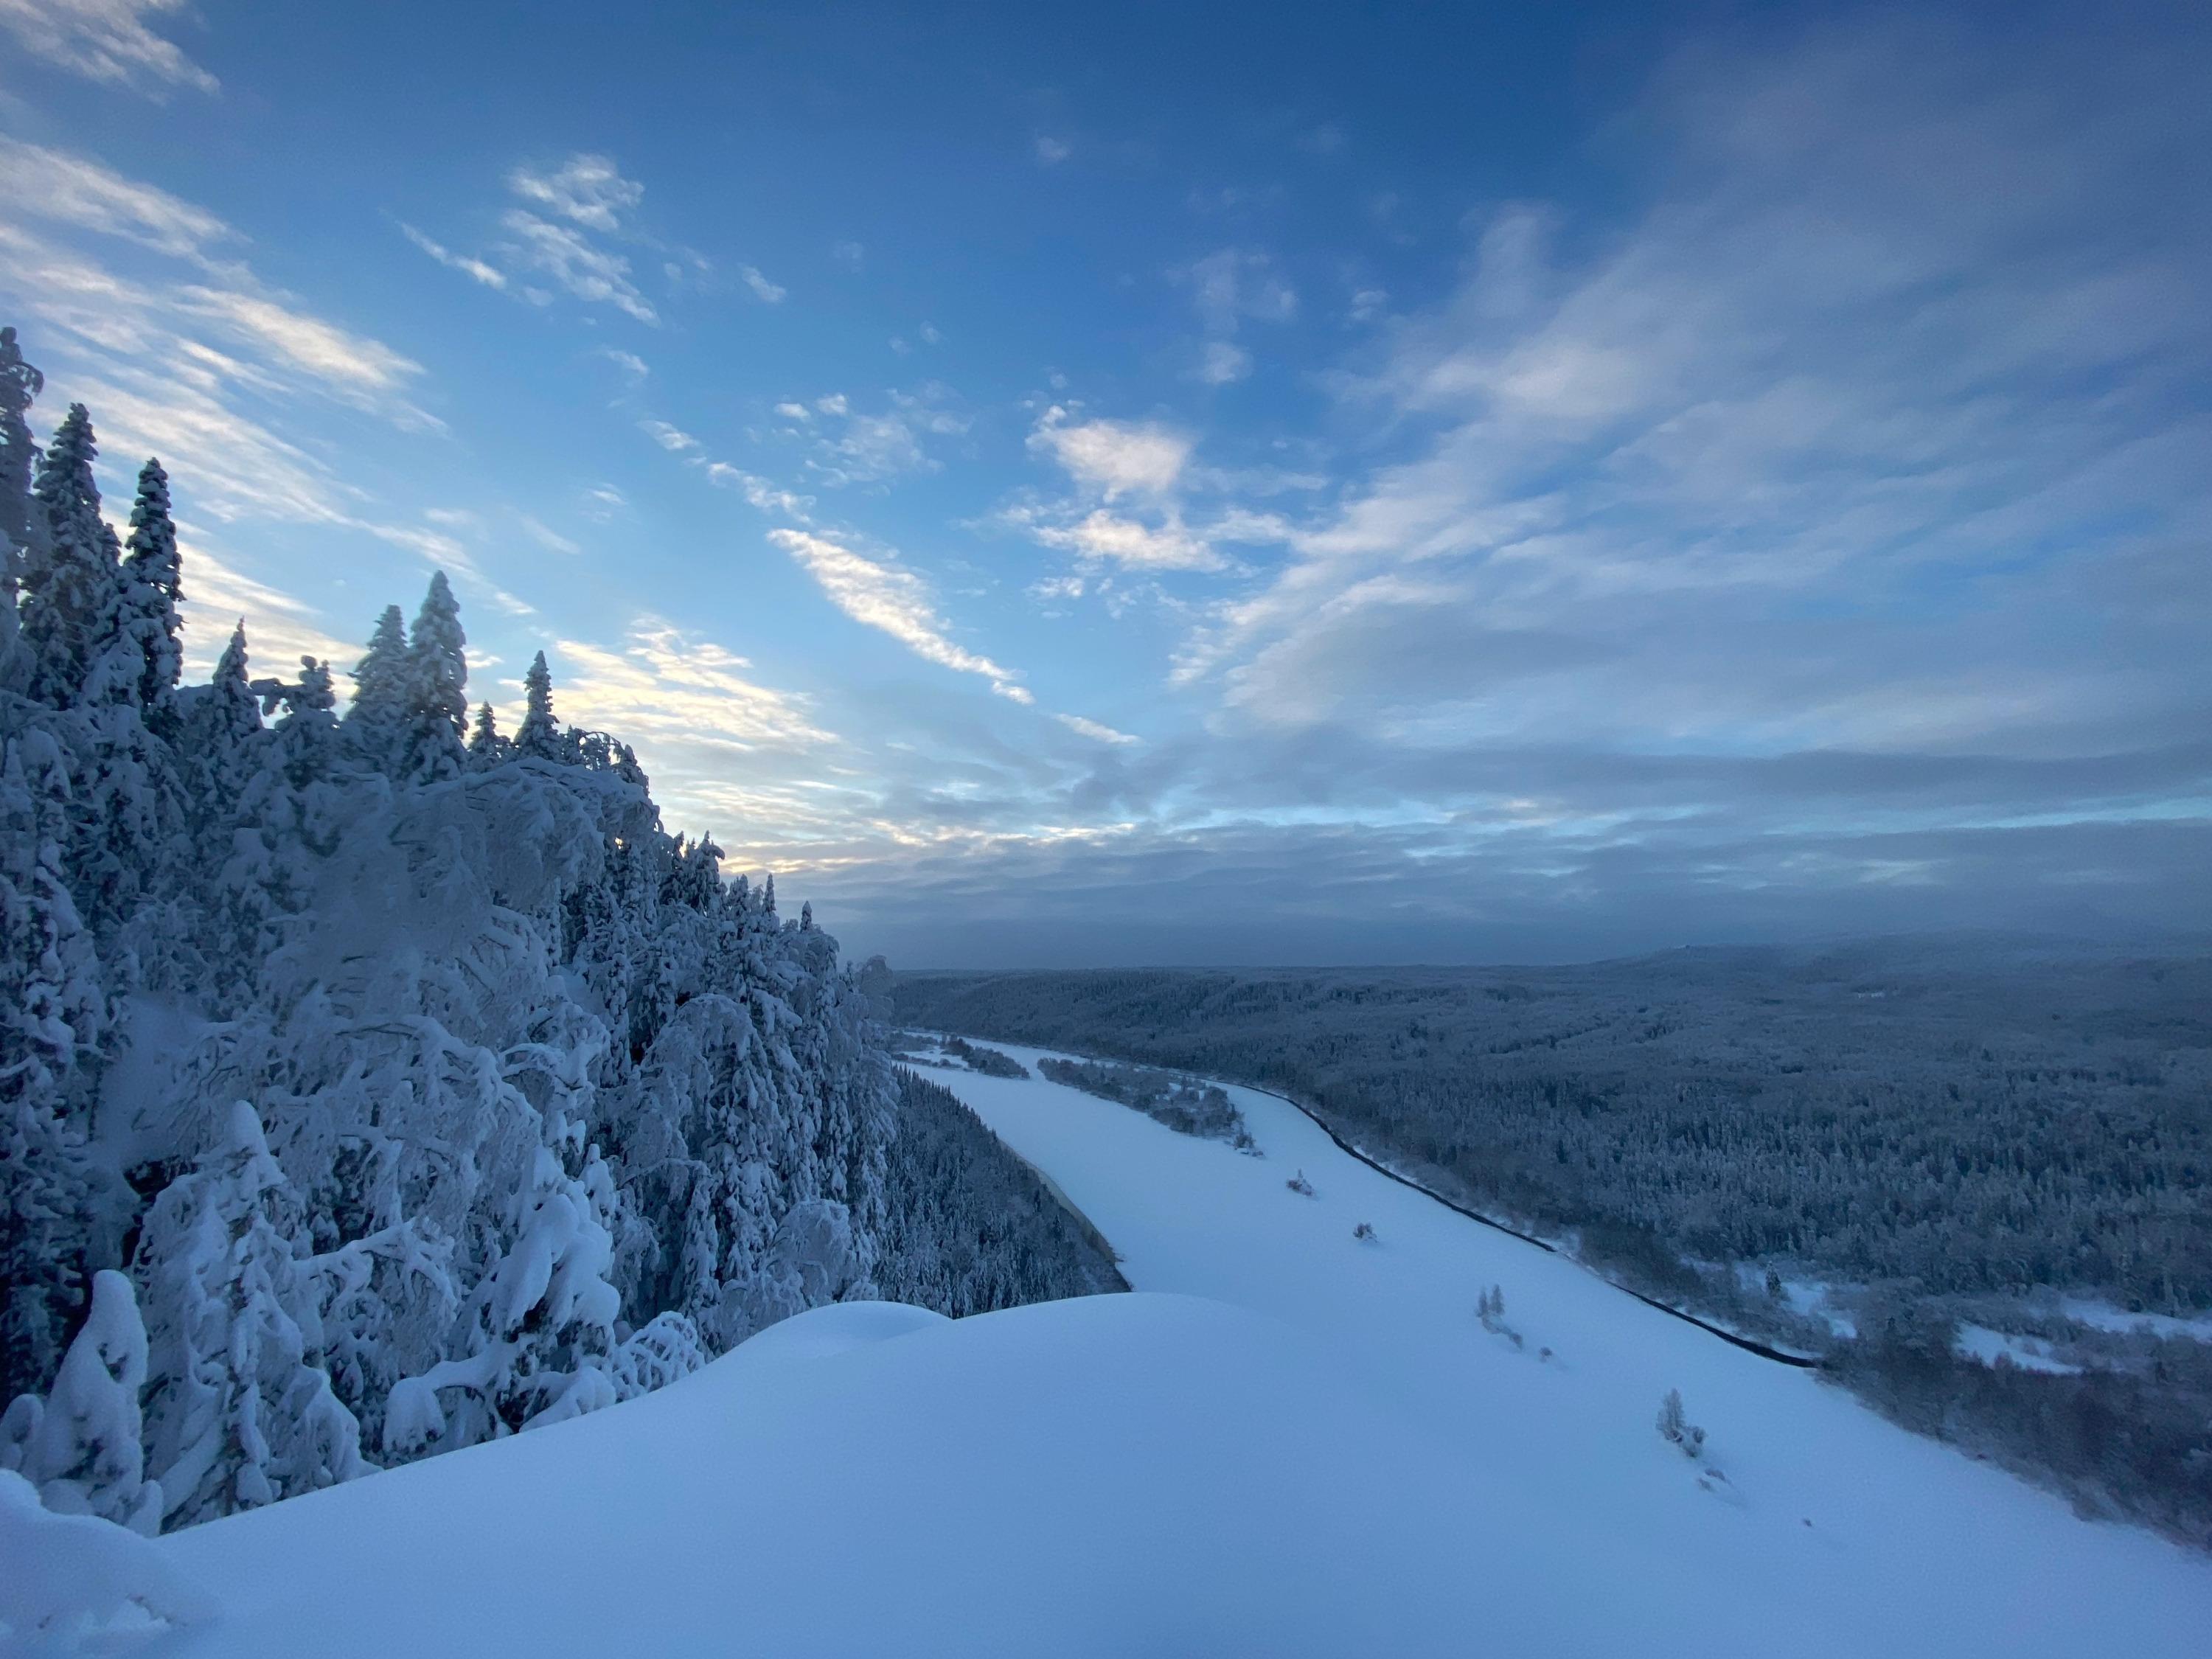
(1288, 1441)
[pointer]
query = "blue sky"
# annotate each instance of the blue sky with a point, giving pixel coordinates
(1208, 483)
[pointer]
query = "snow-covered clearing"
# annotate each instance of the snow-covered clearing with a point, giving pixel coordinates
(2029, 1353)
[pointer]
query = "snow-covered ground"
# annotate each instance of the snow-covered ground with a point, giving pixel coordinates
(2106, 1317)
(2028, 1352)
(1290, 1442)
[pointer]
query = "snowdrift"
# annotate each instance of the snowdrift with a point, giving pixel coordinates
(1149, 1474)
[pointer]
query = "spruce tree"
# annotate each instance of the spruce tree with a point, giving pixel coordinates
(53, 1013)
(19, 384)
(486, 746)
(539, 734)
(152, 586)
(72, 580)
(437, 682)
(373, 724)
(240, 1412)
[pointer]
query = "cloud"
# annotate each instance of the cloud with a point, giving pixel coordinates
(718, 745)
(568, 256)
(585, 190)
(279, 629)
(105, 40)
(673, 439)
(633, 366)
(762, 289)
(760, 494)
(475, 268)
(552, 540)
(1093, 730)
(62, 188)
(850, 255)
(871, 448)
(1235, 285)
(1114, 457)
(1801, 453)
(893, 600)
(1102, 535)
(1051, 152)
(352, 363)
(1222, 362)
(196, 362)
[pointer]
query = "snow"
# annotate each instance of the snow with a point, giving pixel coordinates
(1109, 1476)
(63, 1576)
(1285, 1442)
(2103, 1316)
(2029, 1353)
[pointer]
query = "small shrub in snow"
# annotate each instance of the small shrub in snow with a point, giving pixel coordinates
(1490, 1309)
(1364, 1232)
(1677, 1430)
(1298, 1184)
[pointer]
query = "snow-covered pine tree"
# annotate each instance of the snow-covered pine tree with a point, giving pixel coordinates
(71, 577)
(539, 734)
(486, 746)
(374, 723)
(19, 384)
(240, 1411)
(152, 587)
(229, 759)
(437, 684)
(81, 1444)
(55, 1013)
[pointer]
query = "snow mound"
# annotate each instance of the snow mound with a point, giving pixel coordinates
(66, 1579)
(1108, 1476)
(836, 1328)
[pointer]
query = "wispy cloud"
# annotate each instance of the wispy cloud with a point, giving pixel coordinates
(772, 292)
(719, 746)
(195, 342)
(568, 256)
(586, 190)
(1095, 731)
(280, 629)
(490, 276)
(545, 536)
(65, 188)
(894, 600)
(673, 439)
(1831, 379)
(107, 41)
(863, 446)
